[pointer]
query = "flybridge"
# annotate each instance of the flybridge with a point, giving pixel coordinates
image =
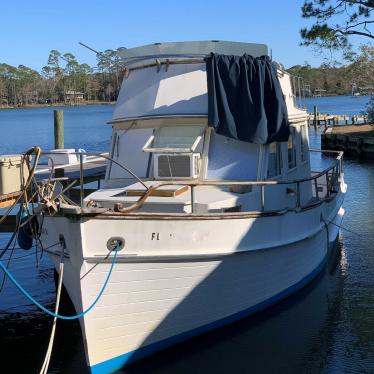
(198, 49)
(177, 90)
(169, 80)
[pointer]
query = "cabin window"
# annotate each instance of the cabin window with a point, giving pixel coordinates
(304, 144)
(275, 160)
(231, 159)
(175, 139)
(291, 150)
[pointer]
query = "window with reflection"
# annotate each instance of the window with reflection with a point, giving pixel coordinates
(274, 160)
(291, 150)
(304, 144)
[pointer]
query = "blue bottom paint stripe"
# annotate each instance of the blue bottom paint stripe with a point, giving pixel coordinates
(119, 362)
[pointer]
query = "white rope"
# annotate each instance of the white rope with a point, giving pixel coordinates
(47, 359)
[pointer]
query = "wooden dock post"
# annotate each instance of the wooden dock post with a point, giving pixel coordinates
(59, 128)
(315, 113)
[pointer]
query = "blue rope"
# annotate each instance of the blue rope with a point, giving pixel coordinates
(27, 294)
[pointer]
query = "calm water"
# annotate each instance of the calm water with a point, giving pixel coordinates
(326, 328)
(347, 105)
(85, 127)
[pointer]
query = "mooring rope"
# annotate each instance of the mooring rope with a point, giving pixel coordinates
(346, 229)
(14, 235)
(48, 355)
(7, 247)
(53, 314)
(327, 232)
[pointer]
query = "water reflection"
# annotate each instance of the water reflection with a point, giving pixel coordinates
(24, 340)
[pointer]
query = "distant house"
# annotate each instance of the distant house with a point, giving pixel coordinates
(318, 92)
(73, 97)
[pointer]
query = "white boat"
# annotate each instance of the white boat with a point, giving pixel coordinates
(226, 227)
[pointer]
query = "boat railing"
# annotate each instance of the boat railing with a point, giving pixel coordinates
(323, 184)
(298, 89)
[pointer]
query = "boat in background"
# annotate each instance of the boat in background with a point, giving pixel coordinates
(208, 218)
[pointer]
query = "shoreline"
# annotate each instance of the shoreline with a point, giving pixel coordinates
(62, 105)
(57, 105)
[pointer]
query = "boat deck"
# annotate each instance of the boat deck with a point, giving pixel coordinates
(207, 198)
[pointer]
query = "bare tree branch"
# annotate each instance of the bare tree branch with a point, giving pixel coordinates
(326, 33)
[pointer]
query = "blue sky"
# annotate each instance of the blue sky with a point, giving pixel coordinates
(30, 29)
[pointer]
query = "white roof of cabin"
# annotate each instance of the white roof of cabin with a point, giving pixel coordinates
(181, 90)
(196, 48)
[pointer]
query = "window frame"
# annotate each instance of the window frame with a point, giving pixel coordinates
(279, 161)
(148, 146)
(303, 144)
(291, 151)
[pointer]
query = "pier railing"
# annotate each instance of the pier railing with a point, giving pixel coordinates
(303, 193)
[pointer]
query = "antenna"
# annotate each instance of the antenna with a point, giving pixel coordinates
(100, 54)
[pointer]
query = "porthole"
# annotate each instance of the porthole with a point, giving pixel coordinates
(115, 242)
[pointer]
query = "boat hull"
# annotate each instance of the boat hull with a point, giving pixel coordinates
(158, 301)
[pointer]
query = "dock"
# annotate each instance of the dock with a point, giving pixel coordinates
(317, 119)
(326, 119)
(93, 171)
(355, 140)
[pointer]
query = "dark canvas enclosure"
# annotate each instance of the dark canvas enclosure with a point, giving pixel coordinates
(245, 99)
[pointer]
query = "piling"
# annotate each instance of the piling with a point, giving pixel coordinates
(59, 128)
(315, 113)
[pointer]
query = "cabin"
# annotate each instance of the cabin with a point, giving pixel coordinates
(161, 132)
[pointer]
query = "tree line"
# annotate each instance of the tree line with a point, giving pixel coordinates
(62, 80)
(333, 23)
(65, 80)
(355, 77)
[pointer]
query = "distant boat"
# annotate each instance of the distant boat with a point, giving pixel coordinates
(214, 228)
